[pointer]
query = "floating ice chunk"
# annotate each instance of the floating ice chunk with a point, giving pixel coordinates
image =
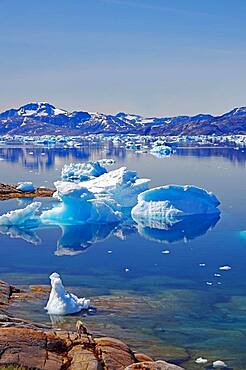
(165, 252)
(201, 360)
(209, 283)
(24, 217)
(171, 203)
(161, 151)
(79, 205)
(120, 184)
(26, 186)
(61, 302)
(107, 161)
(219, 364)
(82, 171)
(100, 200)
(225, 268)
(202, 264)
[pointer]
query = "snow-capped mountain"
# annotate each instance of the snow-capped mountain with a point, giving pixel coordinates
(44, 118)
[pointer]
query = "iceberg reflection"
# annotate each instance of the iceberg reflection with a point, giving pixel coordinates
(15, 232)
(188, 228)
(77, 238)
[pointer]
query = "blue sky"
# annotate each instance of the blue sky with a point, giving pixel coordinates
(152, 57)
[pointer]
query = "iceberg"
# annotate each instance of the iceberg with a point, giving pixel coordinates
(82, 171)
(161, 151)
(79, 205)
(25, 217)
(104, 199)
(26, 187)
(61, 302)
(171, 203)
(121, 184)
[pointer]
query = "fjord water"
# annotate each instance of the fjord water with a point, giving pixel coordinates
(170, 305)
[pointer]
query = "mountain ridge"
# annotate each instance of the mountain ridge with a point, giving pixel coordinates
(40, 118)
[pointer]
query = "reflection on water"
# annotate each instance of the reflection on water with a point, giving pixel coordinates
(159, 303)
(186, 229)
(77, 238)
(15, 232)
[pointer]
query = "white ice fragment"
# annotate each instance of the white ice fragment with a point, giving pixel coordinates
(217, 275)
(24, 217)
(165, 252)
(209, 283)
(127, 269)
(161, 151)
(61, 302)
(219, 364)
(26, 186)
(225, 268)
(201, 360)
(202, 264)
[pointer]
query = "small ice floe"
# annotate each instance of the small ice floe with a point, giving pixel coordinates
(209, 283)
(165, 252)
(109, 252)
(219, 364)
(201, 360)
(26, 186)
(127, 269)
(217, 275)
(202, 264)
(225, 268)
(61, 302)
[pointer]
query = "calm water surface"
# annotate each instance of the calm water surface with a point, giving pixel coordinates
(163, 304)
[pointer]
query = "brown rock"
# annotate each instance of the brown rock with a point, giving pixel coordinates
(150, 365)
(141, 357)
(114, 354)
(83, 359)
(10, 191)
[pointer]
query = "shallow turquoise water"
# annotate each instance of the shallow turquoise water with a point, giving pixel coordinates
(179, 308)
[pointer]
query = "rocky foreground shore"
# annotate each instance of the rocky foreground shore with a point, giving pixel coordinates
(27, 345)
(10, 191)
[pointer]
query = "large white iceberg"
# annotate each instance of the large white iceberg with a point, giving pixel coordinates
(100, 200)
(24, 217)
(82, 171)
(61, 302)
(171, 203)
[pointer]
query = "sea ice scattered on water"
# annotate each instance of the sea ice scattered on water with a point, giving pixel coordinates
(61, 302)
(225, 268)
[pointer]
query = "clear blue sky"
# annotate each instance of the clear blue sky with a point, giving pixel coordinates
(152, 57)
